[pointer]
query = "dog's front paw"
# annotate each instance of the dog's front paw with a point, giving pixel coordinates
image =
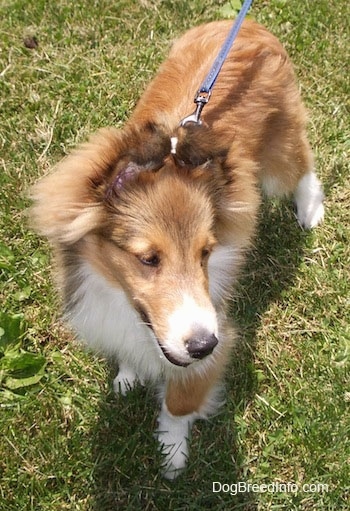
(125, 381)
(175, 454)
(172, 435)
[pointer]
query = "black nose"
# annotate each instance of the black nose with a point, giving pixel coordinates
(201, 344)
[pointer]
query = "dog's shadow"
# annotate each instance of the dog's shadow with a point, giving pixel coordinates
(126, 476)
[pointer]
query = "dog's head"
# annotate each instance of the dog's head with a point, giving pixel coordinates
(145, 223)
(161, 235)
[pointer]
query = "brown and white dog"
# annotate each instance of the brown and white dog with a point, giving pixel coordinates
(150, 223)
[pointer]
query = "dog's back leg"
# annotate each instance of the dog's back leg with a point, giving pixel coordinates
(288, 168)
(308, 198)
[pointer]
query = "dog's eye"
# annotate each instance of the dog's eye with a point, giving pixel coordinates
(150, 260)
(205, 254)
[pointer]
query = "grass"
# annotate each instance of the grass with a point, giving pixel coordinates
(66, 441)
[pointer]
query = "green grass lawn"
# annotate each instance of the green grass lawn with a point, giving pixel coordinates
(66, 441)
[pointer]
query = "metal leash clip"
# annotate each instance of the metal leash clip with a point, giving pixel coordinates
(201, 99)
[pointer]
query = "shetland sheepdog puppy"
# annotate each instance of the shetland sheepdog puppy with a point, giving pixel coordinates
(149, 224)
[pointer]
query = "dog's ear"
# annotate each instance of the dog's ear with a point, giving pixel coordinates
(126, 172)
(147, 145)
(69, 203)
(146, 149)
(129, 172)
(66, 203)
(195, 145)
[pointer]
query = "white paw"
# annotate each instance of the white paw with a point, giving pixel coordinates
(311, 216)
(172, 434)
(125, 381)
(175, 455)
(309, 201)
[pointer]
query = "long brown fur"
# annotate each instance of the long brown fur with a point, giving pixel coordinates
(122, 202)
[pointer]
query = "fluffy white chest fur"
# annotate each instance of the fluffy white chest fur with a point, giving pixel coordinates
(104, 318)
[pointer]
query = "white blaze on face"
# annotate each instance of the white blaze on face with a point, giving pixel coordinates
(187, 319)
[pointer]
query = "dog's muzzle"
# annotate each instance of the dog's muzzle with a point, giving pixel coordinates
(200, 345)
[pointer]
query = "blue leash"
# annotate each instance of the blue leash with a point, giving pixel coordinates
(204, 92)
